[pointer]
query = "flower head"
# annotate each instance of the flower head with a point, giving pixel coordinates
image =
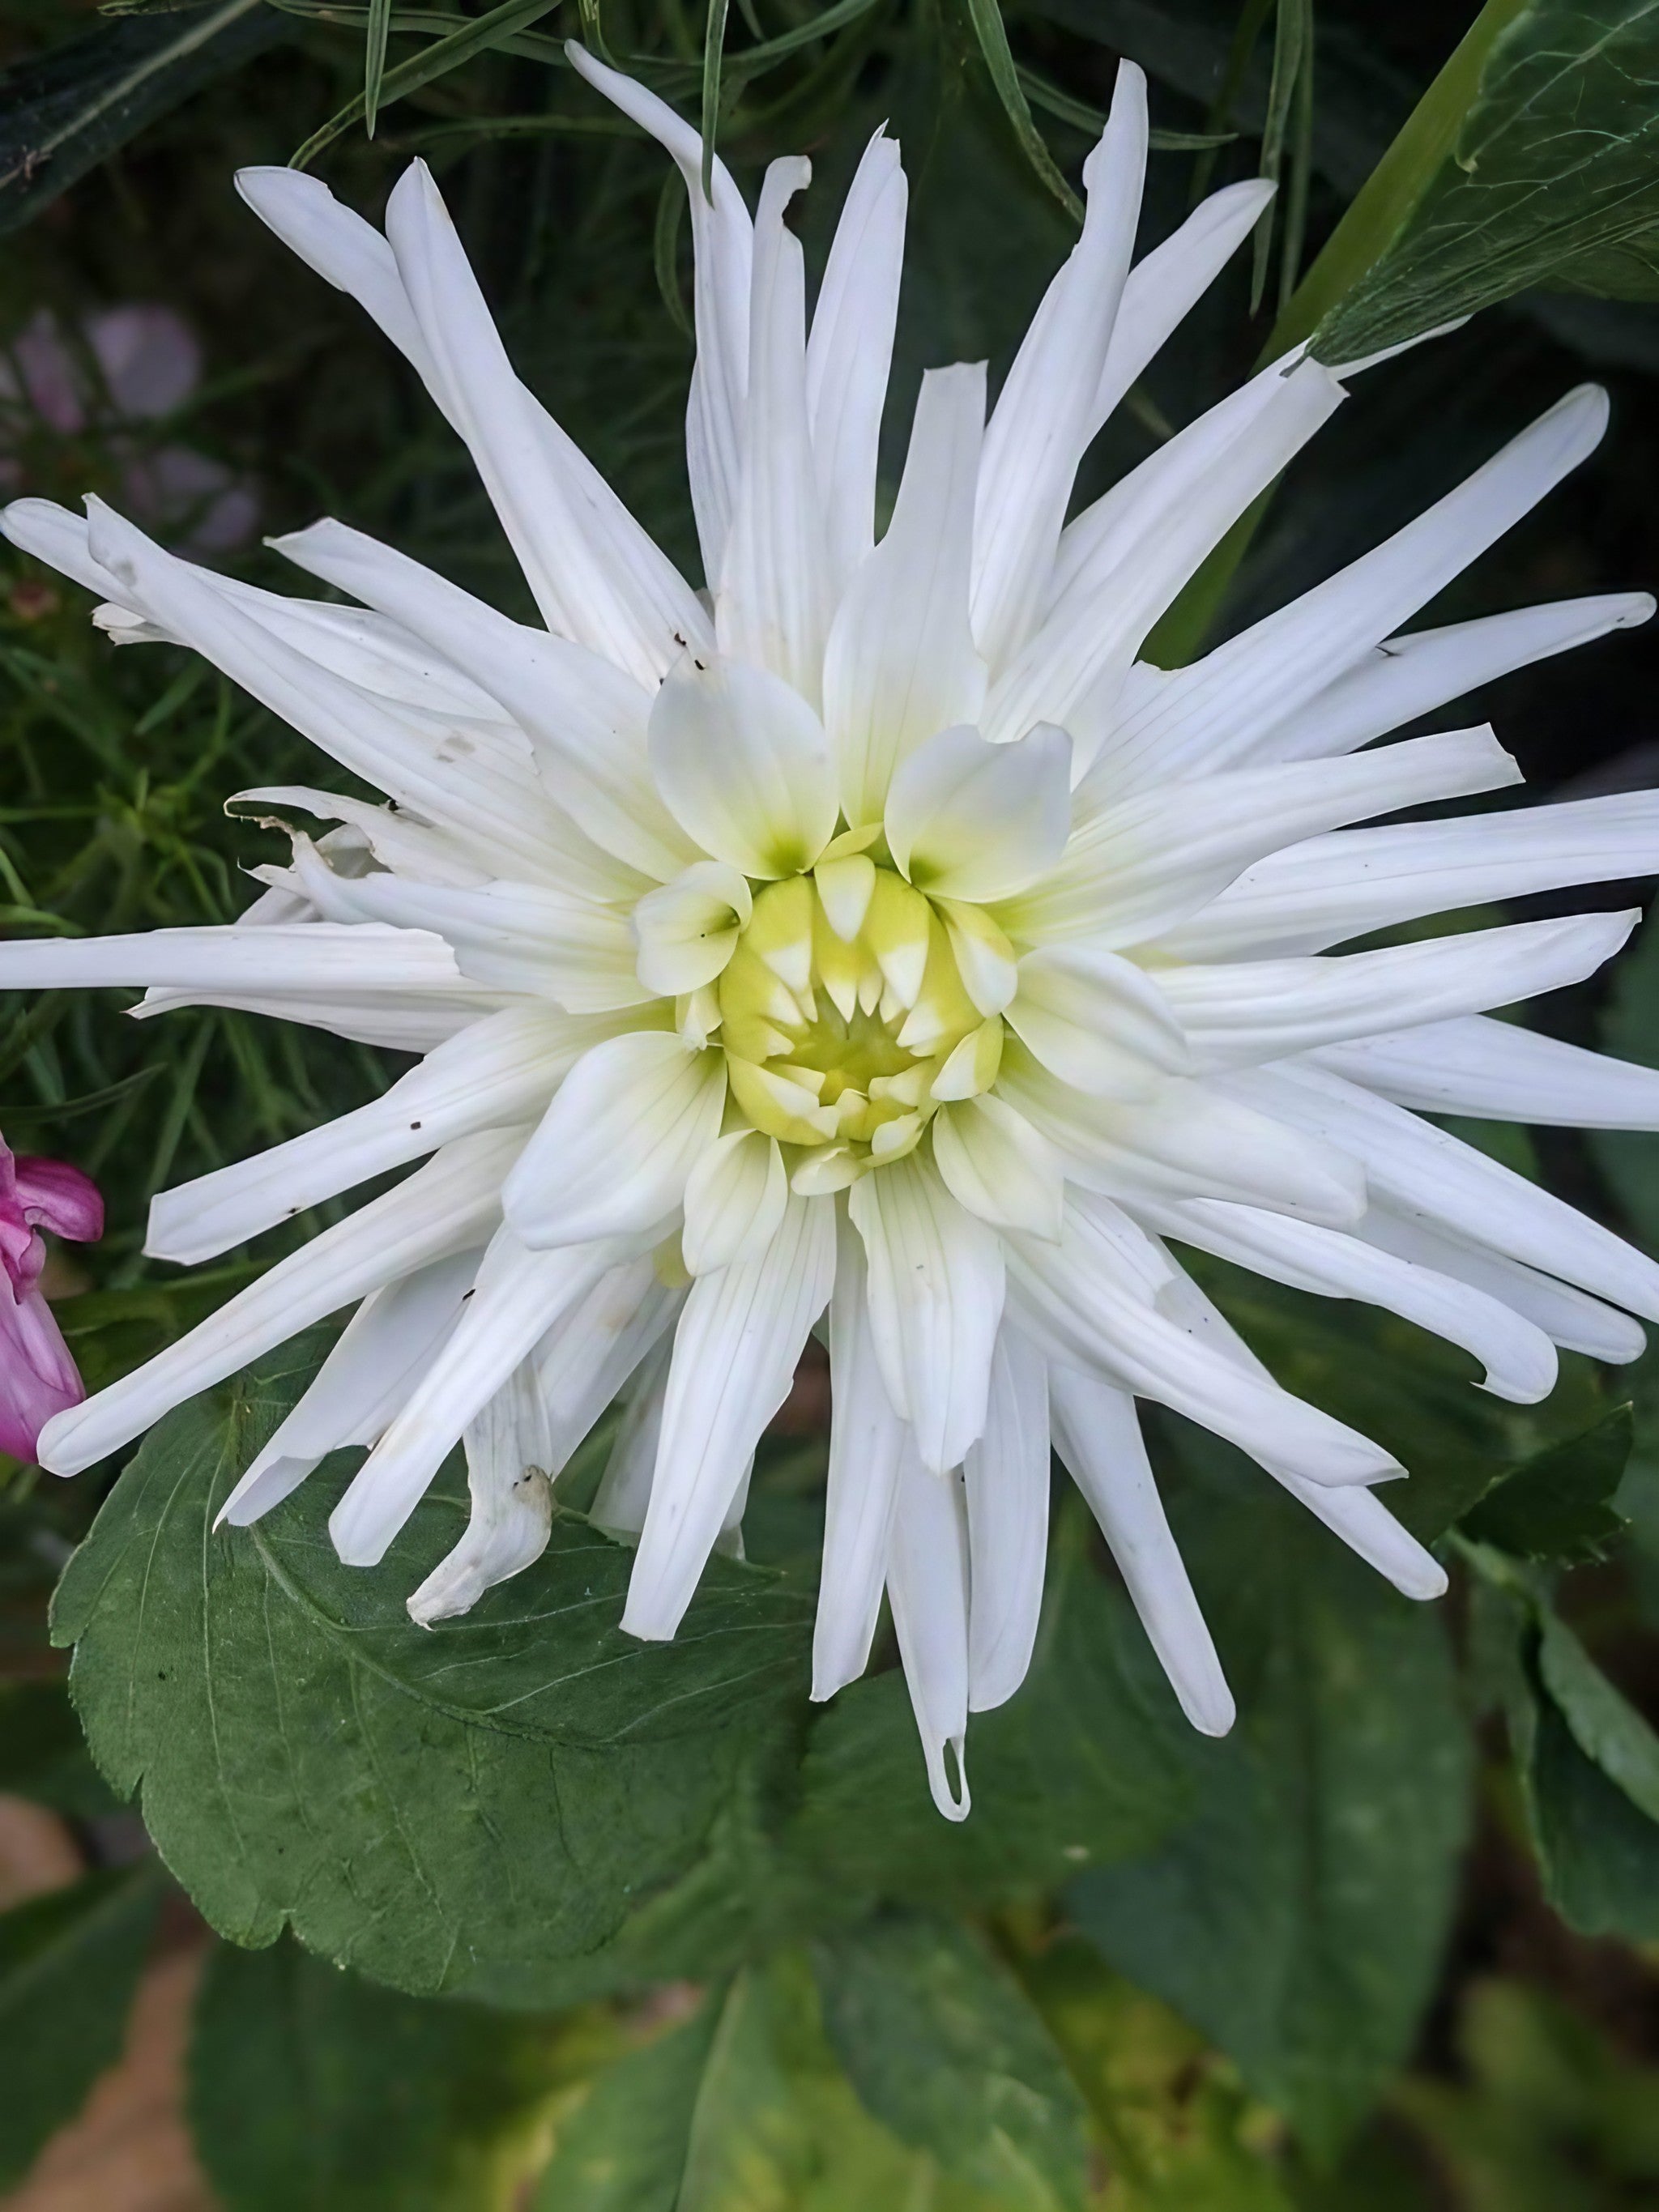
(879, 938)
(38, 1377)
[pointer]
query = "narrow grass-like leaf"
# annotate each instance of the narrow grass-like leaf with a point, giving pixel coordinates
(993, 35)
(479, 35)
(380, 23)
(713, 47)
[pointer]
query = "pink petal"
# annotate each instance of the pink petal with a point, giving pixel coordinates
(38, 1377)
(55, 1196)
(149, 356)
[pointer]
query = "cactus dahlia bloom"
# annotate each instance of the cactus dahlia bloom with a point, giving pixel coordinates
(874, 937)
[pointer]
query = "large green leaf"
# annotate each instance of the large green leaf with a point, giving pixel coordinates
(1532, 161)
(1298, 1916)
(310, 2087)
(65, 112)
(944, 2047)
(475, 1806)
(68, 1965)
(624, 2147)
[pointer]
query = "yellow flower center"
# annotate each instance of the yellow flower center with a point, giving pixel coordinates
(844, 1016)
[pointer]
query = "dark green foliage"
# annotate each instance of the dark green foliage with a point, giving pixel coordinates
(944, 2047)
(313, 2091)
(1558, 1504)
(68, 1965)
(1296, 1916)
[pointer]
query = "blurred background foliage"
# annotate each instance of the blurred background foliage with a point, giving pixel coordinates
(1396, 1943)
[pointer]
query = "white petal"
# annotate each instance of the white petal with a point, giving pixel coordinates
(585, 718)
(509, 937)
(1213, 713)
(1567, 1317)
(868, 1445)
(620, 1503)
(743, 764)
(1518, 1358)
(1318, 893)
(1358, 1517)
(936, 1291)
(612, 1152)
(1098, 1436)
(502, 1072)
(772, 596)
(512, 1515)
(722, 241)
(927, 1587)
(968, 820)
(1495, 1070)
(316, 955)
(1186, 1140)
(1237, 1012)
(1393, 682)
(1096, 1020)
(1135, 869)
(401, 1020)
(734, 1359)
(1163, 286)
(1088, 1301)
(994, 1163)
(589, 1354)
(372, 1367)
(900, 663)
(1045, 414)
(449, 1206)
(516, 1299)
(592, 574)
(1424, 1174)
(689, 929)
(849, 350)
(367, 650)
(399, 842)
(1005, 1476)
(420, 760)
(734, 1201)
(1121, 563)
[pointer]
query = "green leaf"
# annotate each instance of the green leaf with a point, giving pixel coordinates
(1605, 1725)
(624, 2149)
(476, 35)
(714, 45)
(1598, 1853)
(1296, 1917)
(68, 1965)
(43, 1754)
(65, 111)
(1531, 162)
(1085, 1764)
(1558, 1504)
(985, 16)
(944, 2047)
(311, 2087)
(472, 1807)
(378, 28)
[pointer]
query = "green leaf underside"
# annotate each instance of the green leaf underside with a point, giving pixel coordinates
(68, 1965)
(1551, 179)
(1558, 1504)
(1296, 1917)
(945, 2047)
(309, 2087)
(430, 1807)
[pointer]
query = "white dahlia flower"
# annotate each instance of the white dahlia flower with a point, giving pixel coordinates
(874, 935)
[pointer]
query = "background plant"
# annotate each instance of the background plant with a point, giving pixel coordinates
(674, 1938)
